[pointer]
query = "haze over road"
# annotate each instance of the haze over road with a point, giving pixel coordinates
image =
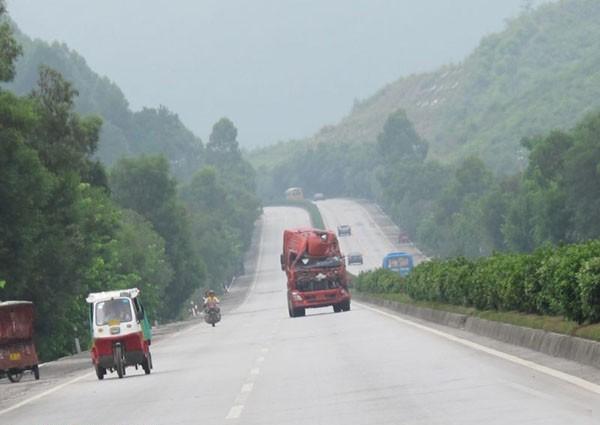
(369, 237)
(258, 366)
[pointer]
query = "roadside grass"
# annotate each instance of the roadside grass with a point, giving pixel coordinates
(555, 324)
(316, 219)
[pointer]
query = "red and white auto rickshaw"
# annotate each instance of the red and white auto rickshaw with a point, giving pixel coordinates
(121, 332)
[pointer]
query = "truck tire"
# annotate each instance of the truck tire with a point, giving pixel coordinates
(345, 306)
(336, 308)
(36, 372)
(299, 312)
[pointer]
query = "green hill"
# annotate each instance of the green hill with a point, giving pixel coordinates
(124, 132)
(542, 72)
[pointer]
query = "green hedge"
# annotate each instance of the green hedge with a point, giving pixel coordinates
(563, 281)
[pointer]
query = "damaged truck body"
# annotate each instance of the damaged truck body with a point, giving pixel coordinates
(315, 270)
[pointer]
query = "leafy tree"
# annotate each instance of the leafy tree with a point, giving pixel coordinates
(9, 48)
(223, 147)
(399, 140)
(65, 141)
(145, 186)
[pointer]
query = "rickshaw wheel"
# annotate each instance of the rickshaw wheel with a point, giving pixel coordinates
(36, 372)
(119, 364)
(147, 364)
(100, 372)
(15, 376)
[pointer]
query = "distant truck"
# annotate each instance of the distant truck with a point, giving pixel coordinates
(399, 262)
(315, 270)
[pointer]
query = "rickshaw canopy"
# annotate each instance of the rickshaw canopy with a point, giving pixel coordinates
(109, 295)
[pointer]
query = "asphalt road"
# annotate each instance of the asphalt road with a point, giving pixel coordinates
(373, 234)
(258, 366)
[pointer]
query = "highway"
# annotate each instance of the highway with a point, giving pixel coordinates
(258, 366)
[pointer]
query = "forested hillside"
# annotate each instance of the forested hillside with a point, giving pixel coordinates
(542, 72)
(124, 132)
(70, 226)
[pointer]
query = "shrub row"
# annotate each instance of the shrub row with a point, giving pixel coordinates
(561, 281)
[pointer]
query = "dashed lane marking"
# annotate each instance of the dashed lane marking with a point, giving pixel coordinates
(574, 380)
(246, 388)
(235, 412)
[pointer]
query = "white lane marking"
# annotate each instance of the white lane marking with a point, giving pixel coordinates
(235, 412)
(260, 359)
(240, 400)
(265, 350)
(45, 393)
(574, 380)
(254, 371)
(246, 388)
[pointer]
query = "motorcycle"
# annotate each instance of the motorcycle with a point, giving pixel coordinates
(212, 314)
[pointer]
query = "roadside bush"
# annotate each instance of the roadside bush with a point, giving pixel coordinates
(588, 280)
(563, 281)
(379, 281)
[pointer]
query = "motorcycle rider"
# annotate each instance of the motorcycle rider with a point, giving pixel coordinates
(211, 299)
(212, 312)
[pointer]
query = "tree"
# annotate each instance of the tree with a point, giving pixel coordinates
(399, 140)
(64, 140)
(223, 148)
(9, 48)
(145, 186)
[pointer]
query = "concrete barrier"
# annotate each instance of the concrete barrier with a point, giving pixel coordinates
(557, 345)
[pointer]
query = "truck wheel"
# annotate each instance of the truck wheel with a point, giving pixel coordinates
(345, 306)
(300, 312)
(336, 308)
(36, 372)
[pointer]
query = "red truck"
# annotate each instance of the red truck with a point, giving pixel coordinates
(316, 271)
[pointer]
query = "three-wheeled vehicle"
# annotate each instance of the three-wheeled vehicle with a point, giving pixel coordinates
(121, 332)
(17, 350)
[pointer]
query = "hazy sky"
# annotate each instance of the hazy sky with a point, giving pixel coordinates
(279, 69)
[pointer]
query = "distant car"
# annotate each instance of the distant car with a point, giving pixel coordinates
(354, 258)
(403, 237)
(318, 197)
(344, 230)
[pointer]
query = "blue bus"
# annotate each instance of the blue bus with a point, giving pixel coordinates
(399, 262)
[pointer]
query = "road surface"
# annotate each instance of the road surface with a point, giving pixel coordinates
(373, 234)
(258, 366)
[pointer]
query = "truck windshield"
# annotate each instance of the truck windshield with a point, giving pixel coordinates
(113, 310)
(308, 262)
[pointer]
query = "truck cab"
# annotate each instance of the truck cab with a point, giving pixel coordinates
(315, 270)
